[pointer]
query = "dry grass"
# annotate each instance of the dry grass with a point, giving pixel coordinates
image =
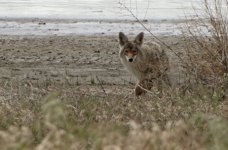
(39, 117)
(207, 51)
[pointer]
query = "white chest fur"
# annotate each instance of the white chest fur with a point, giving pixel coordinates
(135, 68)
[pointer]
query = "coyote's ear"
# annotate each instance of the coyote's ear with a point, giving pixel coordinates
(139, 38)
(122, 38)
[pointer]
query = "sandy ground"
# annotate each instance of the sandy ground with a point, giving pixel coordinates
(84, 60)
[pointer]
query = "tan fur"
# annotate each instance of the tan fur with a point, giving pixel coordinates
(150, 65)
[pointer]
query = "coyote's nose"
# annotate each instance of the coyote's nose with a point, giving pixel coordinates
(130, 60)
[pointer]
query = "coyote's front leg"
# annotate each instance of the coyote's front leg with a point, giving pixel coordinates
(143, 86)
(139, 89)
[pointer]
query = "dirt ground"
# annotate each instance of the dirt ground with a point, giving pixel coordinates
(81, 60)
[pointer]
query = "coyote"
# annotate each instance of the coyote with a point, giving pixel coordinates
(148, 63)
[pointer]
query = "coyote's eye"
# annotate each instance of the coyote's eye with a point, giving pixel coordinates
(127, 50)
(134, 51)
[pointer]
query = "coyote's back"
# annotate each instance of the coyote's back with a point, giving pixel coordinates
(148, 63)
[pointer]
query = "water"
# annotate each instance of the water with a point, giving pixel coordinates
(91, 17)
(85, 28)
(95, 9)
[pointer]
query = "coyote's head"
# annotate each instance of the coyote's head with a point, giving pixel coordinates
(130, 49)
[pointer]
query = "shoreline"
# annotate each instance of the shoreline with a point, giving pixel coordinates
(74, 20)
(62, 27)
